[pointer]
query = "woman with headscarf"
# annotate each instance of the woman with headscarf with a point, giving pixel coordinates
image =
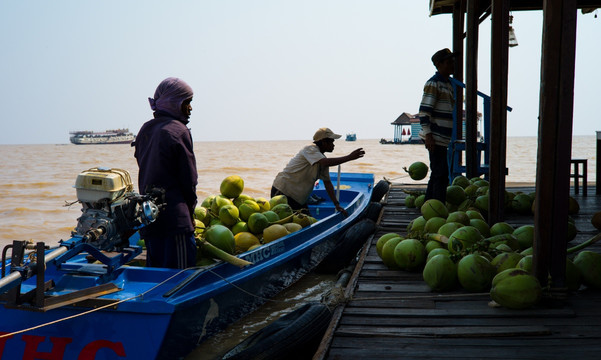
(166, 160)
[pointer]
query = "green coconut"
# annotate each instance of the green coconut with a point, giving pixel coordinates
(437, 251)
(481, 225)
(218, 202)
(596, 220)
(480, 182)
(301, 219)
(459, 217)
(506, 260)
(449, 228)
(228, 214)
(455, 194)
(501, 228)
(573, 206)
(589, 264)
(240, 226)
(271, 216)
(417, 171)
(240, 199)
(276, 200)
(433, 244)
(200, 213)
(481, 203)
(517, 291)
(451, 207)
(410, 201)
(440, 273)
(221, 237)
(283, 210)
(432, 208)
(482, 190)
(433, 224)
(418, 224)
(470, 190)
(525, 236)
(420, 200)
(573, 276)
(525, 263)
(475, 273)
(461, 181)
(522, 204)
(274, 232)
(506, 273)
(410, 254)
(232, 186)
(382, 240)
(292, 227)
(528, 251)
(247, 208)
(463, 238)
(474, 214)
(257, 222)
(388, 252)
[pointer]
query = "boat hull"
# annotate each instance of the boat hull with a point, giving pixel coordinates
(165, 313)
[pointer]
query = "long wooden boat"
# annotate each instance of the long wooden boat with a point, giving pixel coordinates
(82, 310)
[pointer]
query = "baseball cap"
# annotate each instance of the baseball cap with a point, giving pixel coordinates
(442, 55)
(325, 133)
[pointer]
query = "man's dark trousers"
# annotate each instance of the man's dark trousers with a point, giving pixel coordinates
(439, 176)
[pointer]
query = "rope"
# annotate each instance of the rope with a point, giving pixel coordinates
(93, 310)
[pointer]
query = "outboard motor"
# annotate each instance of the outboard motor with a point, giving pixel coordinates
(111, 211)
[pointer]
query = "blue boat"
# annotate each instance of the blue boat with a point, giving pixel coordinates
(351, 137)
(110, 309)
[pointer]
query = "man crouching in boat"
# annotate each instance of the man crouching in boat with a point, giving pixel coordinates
(297, 179)
(166, 159)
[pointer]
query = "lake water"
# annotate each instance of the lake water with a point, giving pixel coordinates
(36, 186)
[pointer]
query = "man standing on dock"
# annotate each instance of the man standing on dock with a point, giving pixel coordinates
(436, 119)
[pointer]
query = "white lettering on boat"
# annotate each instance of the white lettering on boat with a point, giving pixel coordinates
(264, 253)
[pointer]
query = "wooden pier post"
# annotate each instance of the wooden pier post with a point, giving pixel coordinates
(598, 165)
(498, 100)
(555, 141)
(471, 89)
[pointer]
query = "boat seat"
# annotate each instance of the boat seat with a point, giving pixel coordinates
(577, 175)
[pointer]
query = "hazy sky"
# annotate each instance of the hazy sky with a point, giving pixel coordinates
(260, 69)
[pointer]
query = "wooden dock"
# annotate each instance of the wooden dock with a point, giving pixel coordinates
(394, 315)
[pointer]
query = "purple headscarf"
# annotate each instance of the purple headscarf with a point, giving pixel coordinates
(169, 96)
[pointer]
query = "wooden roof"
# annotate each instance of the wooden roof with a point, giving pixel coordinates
(446, 6)
(405, 119)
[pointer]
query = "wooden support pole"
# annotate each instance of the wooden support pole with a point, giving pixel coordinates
(471, 89)
(458, 29)
(598, 165)
(498, 105)
(554, 141)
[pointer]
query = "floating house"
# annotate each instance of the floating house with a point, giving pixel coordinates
(407, 128)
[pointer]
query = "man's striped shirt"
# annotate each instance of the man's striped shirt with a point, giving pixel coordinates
(436, 110)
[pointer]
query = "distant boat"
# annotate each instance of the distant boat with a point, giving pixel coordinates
(351, 137)
(117, 136)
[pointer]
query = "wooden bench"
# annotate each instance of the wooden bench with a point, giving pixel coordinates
(577, 175)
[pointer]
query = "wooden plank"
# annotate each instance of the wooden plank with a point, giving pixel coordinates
(592, 324)
(479, 312)
(451, 331)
